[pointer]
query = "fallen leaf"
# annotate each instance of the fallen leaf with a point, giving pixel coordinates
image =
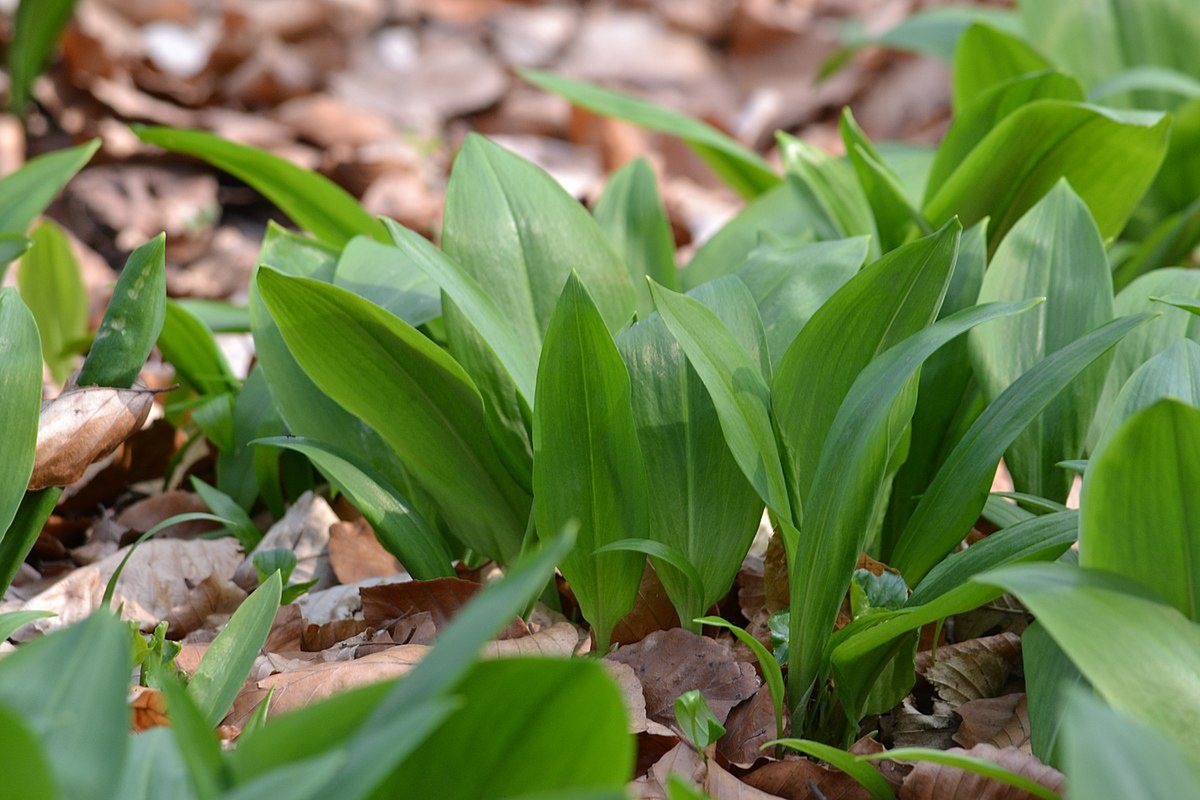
(669, 663)
(973, 669)
(800, 779)
(750, 725)
(652, 611)
(84, 425)
(149, 708)
(775, 575)
(558, 641)
(148, 512)
(213, 597)
(340, 602)
(705, 773)
(929, 781)
(321, 637)
(304, 530)
(908, 726)
(1000, 721)
(355, 553)
(442, 598)
(894, 772)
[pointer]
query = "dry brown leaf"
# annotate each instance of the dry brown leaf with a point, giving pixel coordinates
(750, 725)
(442, 598)
(908, 726)
(631, 694)
(652, 611)
(213, 597)
(705, 773)
(321, 637)
(973, 669)
(752, 597)
(1000, 721)
(148, 512)
(801, 779)
(149, 708)
(930, 781)
(304, 530)
(144, 456)
(340, 602)
(669, 663)
(775, 575)
(355, 553)
(84, 425)
(560, 640)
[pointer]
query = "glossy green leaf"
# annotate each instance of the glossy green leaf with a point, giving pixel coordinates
(986, 57)
(1108, 157)
(399, 528)
(385, 276)
(188, 345)
(20, 402)
(441, 436)
(30, 189)
(665, 558)
(895, 216)
(52, 286)
(1151, 676)
(883, 304)
(32, 512)
(1174, 373)
(1055, 252)
(847, 487)
(69, 688)
(1050, 679)
(1139, 518)
(703, 506)
(227, 661)
(974, 764)
(957, 494)
(631, 214)
(767, 663)
(790, 282)
(27, 773)
(133, 320)
(863, 772)
(313, 202)
(834, 184)
(588, 462)
(740, 167)
(221, 504)
(696, 720)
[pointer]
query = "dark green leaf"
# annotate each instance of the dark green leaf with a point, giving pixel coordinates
(20, 404)
(895, 216)
(834, 184)
(23, 762)
(36, 28)
(221, 504)
(34, 509)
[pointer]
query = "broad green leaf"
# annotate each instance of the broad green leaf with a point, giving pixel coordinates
(219, 316)
(27, 773)
(1147, 78)
(895, 216)
(133, 320)
(788, 212)
(696, 720)
(847, 486)
(666, 559)
(30, 189)
(221, 504)
(440, 434)
(154, 768)
(973, 121)
(1139, 654)
(383, 275)
(834, 184)
(1110, 757)
(767, 663)
(1174, 373)
(1050, 679)
(188, 345)
(20, 404)
(51, 285)
(242, 468)
(12, 621)
(740, 167)
(227, 661)
(1139, 514)
(631, 214)
(587, 460)
(33, 510)
(979, 766)
(703, 506)
(933, 31)
(1055, 252)
(1108, 157)
(987, 57)
(790, 282)
(313, 202)
(69, 689)
(957, 494)
(36, 28)
(194, 737)
(399, 528)
(738, 389)
(883, 304)
(1168, 244)
(863, 772)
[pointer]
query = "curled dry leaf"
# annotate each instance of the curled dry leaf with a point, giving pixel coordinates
(971, 670)
(1000, 721)
(669, 663)
(304, 530)
(339, 602)
(321, 637)
(82, 426)
(355, 553)
(441, 598)
(207, 605)
(929, 781)
(797, 778)
(149, 708)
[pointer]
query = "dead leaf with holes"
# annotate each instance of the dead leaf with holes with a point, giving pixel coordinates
(82, 426)
(973, 669)
(929, 781)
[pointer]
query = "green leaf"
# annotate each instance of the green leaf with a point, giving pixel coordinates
(241, 468)
(441, 434)
(20, 405)
(399, 528)
(190, 516)
(133, 320)
(16, 543)
(219, 316)
(863, 772)
(870, 592)
(1151, 676)
(1056, 252)
(738, 389)
(1147, 78)
(155, 769)
(790, 282)
(1108, 157)
(189, 346)
(36, 29)
(13, 621)
(883, 304)
(194, 738)
(895, 215)
(268, 562)
(932, 31)
(1050, 678)
(767, 663)
(987, 57)
(1139, 517)
(834, 184)
(741, 168)
(663, 555)
(1172, 374)
(221, 504)
(69, 689)
(631, 214)
(847, 487)
(12, 245)
(23, 761)
(957, 494)
(978, 766)
(696, 720)
(51, 285)
(704, 507)
(30, 189)
(382, 274)
(313, 202)
(227, 661)
(587, 460)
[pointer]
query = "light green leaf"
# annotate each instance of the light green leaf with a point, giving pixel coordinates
(1174, 373)
(194, 737)
(20, 403)
(52, 286)
(385, 276)
(696, 720)
(219, 316)
(933, 31)
(987, 57)
(23, 762)
(1050, 678)
(313, 202)
(834, 184)
(30, 189)
(32, 512)
(12, 621)
(587, 459)
(895, 216)
(188, 345)
(221, 504)
(36, 29)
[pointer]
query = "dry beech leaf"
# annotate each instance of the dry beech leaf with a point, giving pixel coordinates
(750, 725)
(82, 426)
(908, 726)
(304, 530)
(751, 594)
(149, 708)
(441, 597)
(1000, 721)
(971, 670)
(652, 611)
(340, 602)
(212, 597)
(143, 515)
(929, 781)
(558, 641)
(775, 575)
(801, 779)
(717, 783)
(324, 636)
(631, 694)
(355, 553)
(669, 663)
(894, 772)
